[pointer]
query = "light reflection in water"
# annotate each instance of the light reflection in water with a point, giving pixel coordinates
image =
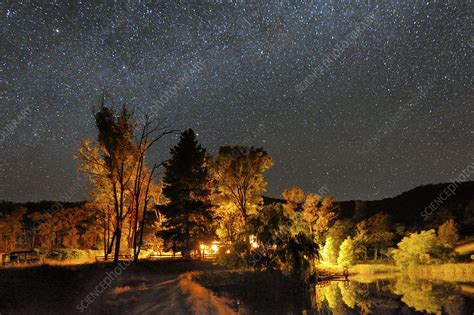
(401, 295)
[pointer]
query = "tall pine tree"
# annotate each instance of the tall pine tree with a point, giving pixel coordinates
(188, 213)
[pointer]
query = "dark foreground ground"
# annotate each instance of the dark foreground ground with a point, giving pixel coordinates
(158, 287)
(146, 288)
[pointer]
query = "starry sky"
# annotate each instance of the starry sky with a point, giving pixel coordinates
(393, 110)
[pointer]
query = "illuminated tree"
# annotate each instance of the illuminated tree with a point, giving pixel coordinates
(238, 172)
(311, 216)
(303, 214)
(112, 160)
(292, 207)
(281, 242)
(67, 222)
(151, 239)
(330, 251)
(123, 185)
(374, 233)
(448, 233)
(339, 231)
(319, 214)
(188, 213)
(228, 218)
(145, 192)
(420, 248)
(12, 229)
(346, 253)
(294, 197)
(66, 228)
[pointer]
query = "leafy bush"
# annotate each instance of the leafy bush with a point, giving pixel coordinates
(66, 253)
(421, 248)
(371, 269)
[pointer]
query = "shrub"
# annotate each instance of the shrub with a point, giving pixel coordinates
(66, 253)
(421, 248)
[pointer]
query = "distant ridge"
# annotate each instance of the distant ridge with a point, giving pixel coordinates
(405, 208)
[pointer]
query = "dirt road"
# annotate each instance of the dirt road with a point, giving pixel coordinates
(146, 288)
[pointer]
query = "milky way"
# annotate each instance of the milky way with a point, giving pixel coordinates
(366, 100)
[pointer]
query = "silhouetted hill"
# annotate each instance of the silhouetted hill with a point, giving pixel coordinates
(407, 207)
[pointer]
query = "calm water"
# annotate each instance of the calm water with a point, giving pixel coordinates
(400, 295)
(396, 295)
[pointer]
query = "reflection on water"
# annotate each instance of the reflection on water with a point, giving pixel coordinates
(400, 295)
(397, 294)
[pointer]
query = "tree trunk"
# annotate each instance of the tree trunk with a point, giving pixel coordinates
(117, 244)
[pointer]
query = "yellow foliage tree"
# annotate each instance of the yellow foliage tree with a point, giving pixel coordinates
(123, 185)
(238, 173)
(329, 252)
(346, 253)
(420, 249)
(448, 233)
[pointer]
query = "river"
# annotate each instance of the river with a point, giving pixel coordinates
(377, 294)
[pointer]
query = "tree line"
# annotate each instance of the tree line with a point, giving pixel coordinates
(201, 198)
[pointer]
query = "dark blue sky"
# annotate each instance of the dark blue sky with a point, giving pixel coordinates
(391, 110)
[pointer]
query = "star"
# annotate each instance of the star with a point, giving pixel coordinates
(337, 94)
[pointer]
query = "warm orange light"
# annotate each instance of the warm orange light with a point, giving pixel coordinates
(253, 241)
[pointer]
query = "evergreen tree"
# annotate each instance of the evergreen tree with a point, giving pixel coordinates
(188, 213)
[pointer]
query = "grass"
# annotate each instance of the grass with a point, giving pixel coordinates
(329, 269)
(455, 272)
(371, 269)
(452, 272)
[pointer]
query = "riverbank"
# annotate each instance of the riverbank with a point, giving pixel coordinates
(454, 272)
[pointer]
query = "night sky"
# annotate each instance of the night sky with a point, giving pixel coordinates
(393, 110)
